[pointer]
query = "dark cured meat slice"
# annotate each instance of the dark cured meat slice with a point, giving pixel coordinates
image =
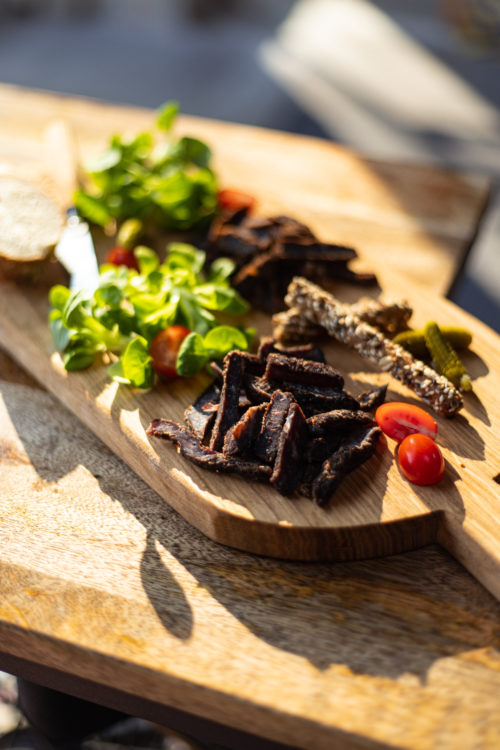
(289, 464)
(275, 414)
(217, 369)
(314, 400)
(317, 251)
(357, 449)
(239, 243)
(292, 370)
(290, 228)
(190, 448)
(339, 420)
(228, 412)
(305, 351)
(241, 437)
(372, 399)
(258, 390)
(200, 416)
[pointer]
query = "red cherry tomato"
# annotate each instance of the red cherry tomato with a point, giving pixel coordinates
(420, 459)
(397, 420)
(120, 256)
(164, 350)
(234, 200)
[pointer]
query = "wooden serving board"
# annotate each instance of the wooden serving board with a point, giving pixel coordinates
(417, 220)
(374, 512)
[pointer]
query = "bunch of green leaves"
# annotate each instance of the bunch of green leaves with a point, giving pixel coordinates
(165, 182)
(129, 308)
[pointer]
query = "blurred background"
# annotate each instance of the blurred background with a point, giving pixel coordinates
(414, 80)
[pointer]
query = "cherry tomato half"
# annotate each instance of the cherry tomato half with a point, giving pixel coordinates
(164, 350)
(234, 200)
(420, 459)
(120, 256)
(397, 420)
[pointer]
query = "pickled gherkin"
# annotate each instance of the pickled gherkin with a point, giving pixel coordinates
(445, 358)
(414, 341)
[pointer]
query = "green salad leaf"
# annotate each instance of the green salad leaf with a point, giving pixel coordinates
(165, 182)
(129, 308)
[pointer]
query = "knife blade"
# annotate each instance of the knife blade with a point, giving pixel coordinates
(75, 249)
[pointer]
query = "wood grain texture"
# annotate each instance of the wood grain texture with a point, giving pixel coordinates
(102, 579)
(376, 511)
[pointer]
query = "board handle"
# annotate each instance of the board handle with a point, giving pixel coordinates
(61, 152)
(475, 540)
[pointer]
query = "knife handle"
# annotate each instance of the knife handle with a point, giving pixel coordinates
(62, 155)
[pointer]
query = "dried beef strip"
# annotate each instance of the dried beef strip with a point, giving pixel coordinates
(313, 399)
(289, 464)
(305, 351)
(322, 308)
(200, 416)
(357, 449)
(372, 399)
(240, 439)
(189, 446)
(281, 368)
(257, 389)
(239, 243)
(337, 421)
(273, 420)
(315, 251)
(228, 412)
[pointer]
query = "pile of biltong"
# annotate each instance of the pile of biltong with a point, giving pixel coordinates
(269, 252)
(282, 416)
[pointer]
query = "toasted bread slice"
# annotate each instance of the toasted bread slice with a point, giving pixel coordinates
(30, 226)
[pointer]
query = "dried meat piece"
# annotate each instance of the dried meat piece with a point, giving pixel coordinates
(370, 400)
(305, 351)
(238, 243)
(275, 414)
(337, 421)
(200, 416)
(258, 390)
(240, 439)
(357, 449)
(228, 412)
(313, 251)
(289, 464)
(313, 399)
(189, 446)
(281, 368)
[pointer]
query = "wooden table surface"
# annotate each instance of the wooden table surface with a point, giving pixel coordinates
(101, 581)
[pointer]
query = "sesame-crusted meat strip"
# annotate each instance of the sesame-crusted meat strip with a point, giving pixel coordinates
(189, 447)
(389, 316)
(322, 308)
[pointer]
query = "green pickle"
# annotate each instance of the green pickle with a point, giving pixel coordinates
(414, 341)
(445, 358)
